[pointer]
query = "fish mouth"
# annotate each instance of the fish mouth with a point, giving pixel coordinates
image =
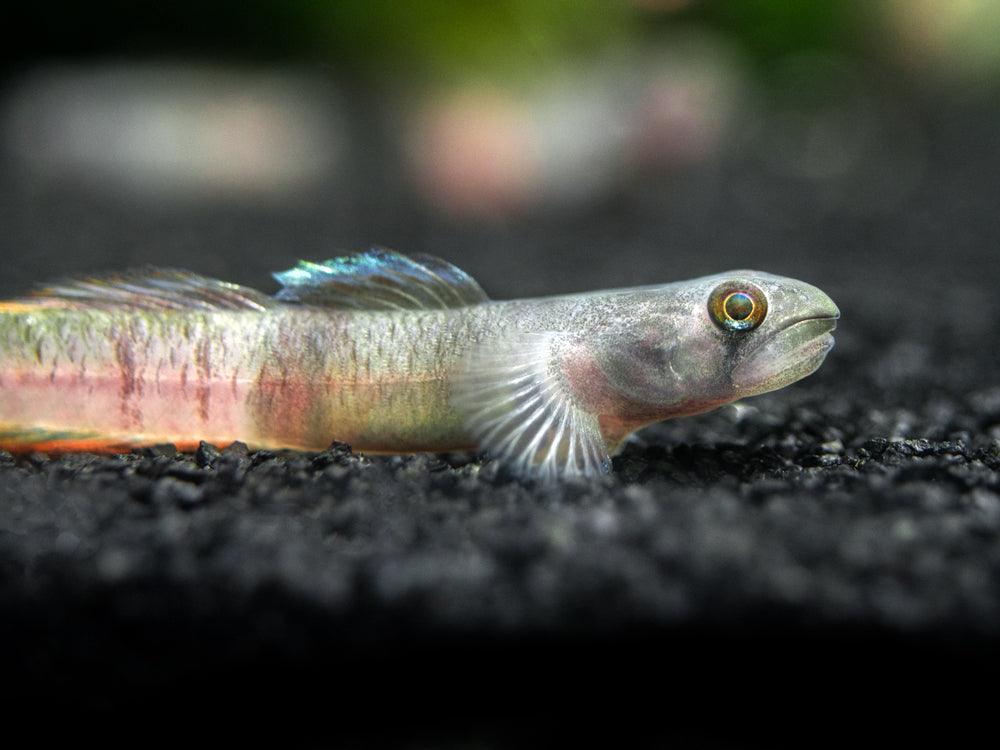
(793, 352)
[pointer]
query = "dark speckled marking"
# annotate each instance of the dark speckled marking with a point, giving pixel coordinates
(203, 365)
(125, 359)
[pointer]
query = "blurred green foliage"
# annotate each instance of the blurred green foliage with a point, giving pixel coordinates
(440, 38)
(449, 38)
(768, 29)
(499, 39)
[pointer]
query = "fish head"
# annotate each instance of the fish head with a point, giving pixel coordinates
(685, 348)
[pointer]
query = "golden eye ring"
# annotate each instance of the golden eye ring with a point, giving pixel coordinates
(737, 307)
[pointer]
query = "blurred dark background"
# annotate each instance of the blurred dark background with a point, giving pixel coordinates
(482, 112)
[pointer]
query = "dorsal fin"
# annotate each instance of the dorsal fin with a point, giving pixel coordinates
(149, 288)
(380, 279)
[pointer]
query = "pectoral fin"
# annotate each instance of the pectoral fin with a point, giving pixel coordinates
(516, 405)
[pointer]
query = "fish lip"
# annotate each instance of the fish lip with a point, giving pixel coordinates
(830, 320)
(790, 353)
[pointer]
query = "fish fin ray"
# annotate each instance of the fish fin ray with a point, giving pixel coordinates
(533, 423)
(380, 279)
(147, 288)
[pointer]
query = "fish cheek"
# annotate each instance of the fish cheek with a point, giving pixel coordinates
(644, 376)
(586, 379)
(637, 371)
(661, 377)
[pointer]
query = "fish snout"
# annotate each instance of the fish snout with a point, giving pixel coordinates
(794, 351)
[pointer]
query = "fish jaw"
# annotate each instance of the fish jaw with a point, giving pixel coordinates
(790, 354)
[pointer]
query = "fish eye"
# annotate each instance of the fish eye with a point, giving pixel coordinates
(737, 306)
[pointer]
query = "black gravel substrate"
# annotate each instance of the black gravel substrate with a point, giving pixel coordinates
(776, 571)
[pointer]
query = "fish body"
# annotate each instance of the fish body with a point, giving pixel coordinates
(392, 354)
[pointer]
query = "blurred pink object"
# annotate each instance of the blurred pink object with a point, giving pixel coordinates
(475, 152)
(575, 135)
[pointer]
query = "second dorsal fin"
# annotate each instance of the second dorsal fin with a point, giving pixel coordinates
(380, 279)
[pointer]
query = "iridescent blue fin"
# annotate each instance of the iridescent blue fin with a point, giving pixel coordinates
(515, 404)
(380, 279)
(149, 288)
